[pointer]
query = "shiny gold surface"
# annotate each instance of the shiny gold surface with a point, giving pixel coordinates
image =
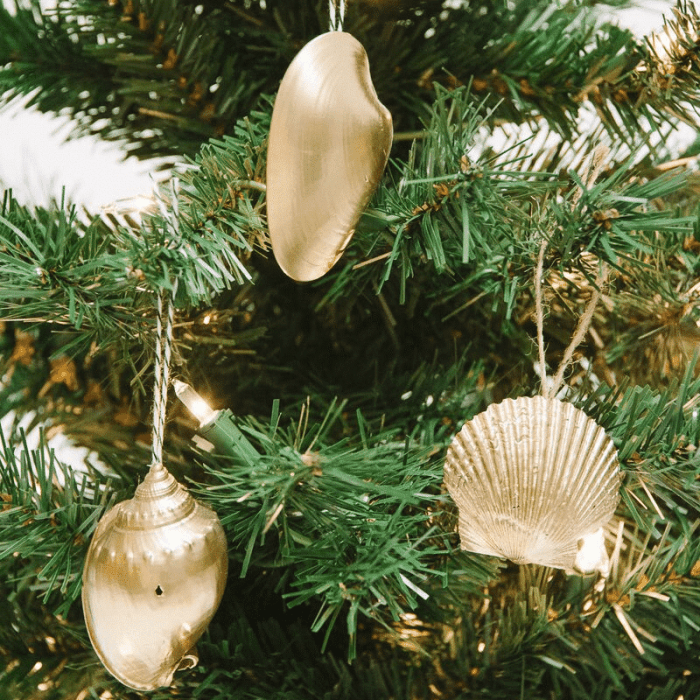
(329, 143)
(153, 578)
(531, 477)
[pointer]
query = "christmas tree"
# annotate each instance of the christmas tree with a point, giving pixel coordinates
(535, 231)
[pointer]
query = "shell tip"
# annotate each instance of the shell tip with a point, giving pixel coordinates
(592, 555)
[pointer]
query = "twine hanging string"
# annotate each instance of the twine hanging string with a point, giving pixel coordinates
(164, 345)
(540, 316)
(584, 322)
(169, 210)
(336, 10)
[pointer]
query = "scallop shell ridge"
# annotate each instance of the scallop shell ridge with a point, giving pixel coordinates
(530, 477)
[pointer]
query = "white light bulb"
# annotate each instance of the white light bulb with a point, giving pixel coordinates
(196, 405)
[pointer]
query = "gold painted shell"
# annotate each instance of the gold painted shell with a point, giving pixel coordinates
(532, 477)
(154, 575)
(329, 143)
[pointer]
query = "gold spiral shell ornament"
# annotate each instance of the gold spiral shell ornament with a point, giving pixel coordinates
(329, 143)
(155, 571)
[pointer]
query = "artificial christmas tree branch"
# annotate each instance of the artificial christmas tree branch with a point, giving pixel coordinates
(155, 48)
(346, 392)
(220, 217)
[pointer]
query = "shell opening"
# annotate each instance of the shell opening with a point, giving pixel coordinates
(159, 590)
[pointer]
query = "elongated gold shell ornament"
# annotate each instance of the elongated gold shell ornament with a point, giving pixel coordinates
(330, 139)
(533, 480)
(153, 578)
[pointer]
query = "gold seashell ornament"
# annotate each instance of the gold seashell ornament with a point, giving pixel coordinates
(154, 576)
(329, 143)
(534, 480)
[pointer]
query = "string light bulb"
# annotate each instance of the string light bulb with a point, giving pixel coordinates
(194, 403)
(216, 426)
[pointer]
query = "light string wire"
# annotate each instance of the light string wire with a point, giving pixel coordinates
(336, 10)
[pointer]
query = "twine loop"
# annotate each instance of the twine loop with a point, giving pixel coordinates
(164, 346)
(164, 338)
(584, 322)
(336, 10)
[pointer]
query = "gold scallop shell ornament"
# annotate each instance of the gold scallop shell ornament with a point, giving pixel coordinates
(533, 480)
(153, 578)
(329, 142)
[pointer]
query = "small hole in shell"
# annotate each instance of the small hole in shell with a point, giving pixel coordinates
(159, 590)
